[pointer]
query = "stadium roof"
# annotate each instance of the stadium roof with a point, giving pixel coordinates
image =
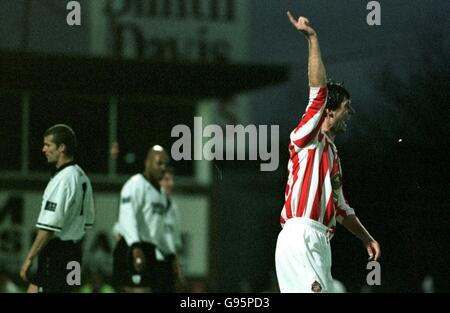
(108, 76)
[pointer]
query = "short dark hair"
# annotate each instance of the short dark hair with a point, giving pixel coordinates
(336, 94)
(63, 134)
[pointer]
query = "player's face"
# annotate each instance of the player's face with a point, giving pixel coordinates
(342, 115)
(156, 165)
(51, 150)
(167, 182)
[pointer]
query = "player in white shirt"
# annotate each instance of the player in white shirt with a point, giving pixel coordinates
(67, 211)
(141, 225)
(169, 244)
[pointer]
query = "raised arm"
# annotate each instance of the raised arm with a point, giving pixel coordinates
(316, 70)
(310, 123)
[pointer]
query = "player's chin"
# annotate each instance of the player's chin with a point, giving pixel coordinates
(342, 129)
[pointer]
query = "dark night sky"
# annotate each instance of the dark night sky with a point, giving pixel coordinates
(353, 52)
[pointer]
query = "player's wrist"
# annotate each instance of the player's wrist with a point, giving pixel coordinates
(367, 239)
(312, 37)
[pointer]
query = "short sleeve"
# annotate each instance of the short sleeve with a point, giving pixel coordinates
(51, 216)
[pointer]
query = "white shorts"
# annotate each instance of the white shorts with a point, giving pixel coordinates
(303, 257)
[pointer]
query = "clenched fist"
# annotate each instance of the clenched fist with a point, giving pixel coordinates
(302, 24)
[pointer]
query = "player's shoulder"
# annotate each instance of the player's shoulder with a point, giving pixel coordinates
(74, 172)
(318, 94)
(71, 177)
(135, 181)
(318, 89)
(62, 180)
(68, 173)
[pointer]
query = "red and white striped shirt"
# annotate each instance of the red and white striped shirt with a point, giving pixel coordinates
(314, 186)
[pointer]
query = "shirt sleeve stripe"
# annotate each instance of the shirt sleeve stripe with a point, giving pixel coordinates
(311, 121)
(50, 227)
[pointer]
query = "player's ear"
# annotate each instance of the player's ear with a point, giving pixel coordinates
(62, 148)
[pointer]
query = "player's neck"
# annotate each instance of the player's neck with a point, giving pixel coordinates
(63, 160)
(328, 129)
(151, 179)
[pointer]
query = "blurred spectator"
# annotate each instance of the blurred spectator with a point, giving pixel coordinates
(171, 240)
(366, 289)
(96, 284)
(7, 285)
(99, 259)
(428, 284)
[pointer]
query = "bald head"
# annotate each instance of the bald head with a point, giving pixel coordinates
(155, 150)
(156, 162)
